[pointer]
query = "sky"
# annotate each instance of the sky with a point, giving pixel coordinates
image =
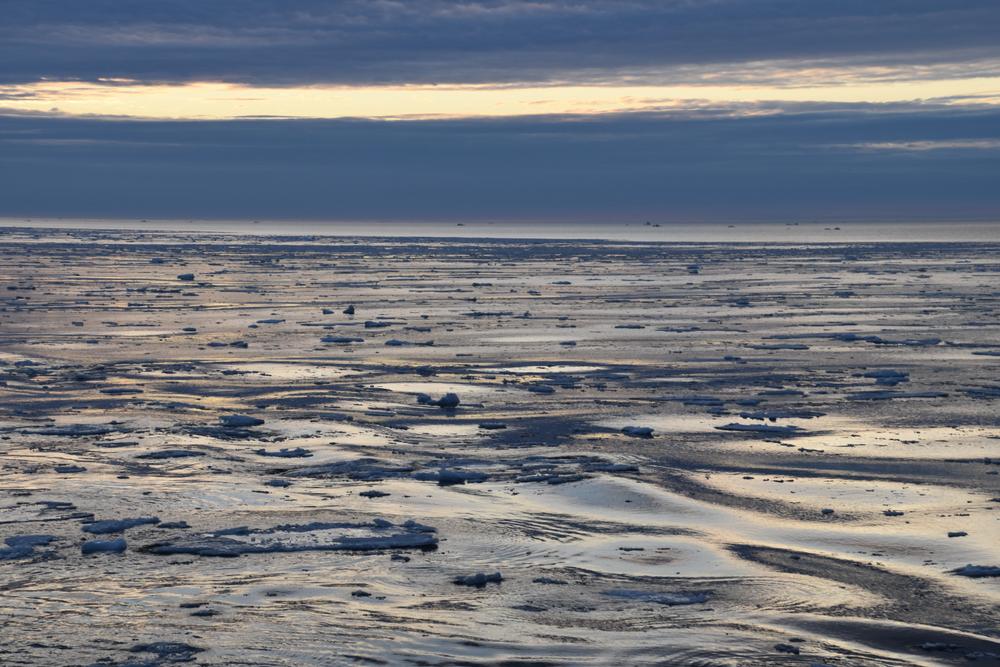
(528, 110)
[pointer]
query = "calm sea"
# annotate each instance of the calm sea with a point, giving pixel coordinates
(804, 232)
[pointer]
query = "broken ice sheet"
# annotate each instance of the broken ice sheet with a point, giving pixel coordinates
(378, 535)
(656, 543)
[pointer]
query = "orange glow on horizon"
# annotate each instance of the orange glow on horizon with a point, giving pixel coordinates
(219, 101)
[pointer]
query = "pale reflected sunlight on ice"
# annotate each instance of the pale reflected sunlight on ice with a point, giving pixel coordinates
(280, 450)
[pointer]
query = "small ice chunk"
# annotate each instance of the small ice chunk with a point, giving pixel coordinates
(761, 428)
(239, 421)
(206, 613)
(120, 391)
(985, 392)
(887, 377)
(448, 401)
(977, 571)
(169, 454)
(74, 430)
(395, 342)
(478, 580)
(168, 652)
(451, 477)
(285, 453)
(104, 546)
(117, 525)
(29, 540)
(23, 546)
(341, 340)
(549, 581)
(173, 525)
(889, 395)
(776, 414)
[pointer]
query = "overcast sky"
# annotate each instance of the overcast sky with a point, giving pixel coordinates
(626, 110)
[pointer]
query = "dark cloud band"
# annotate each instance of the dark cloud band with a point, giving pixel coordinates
(846, 161)
(382, 41)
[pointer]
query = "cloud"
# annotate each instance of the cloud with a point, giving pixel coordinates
(218, 101)
(746, 162)
(492, 41)
(923, 146)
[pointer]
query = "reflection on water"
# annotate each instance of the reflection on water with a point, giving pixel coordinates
(333, 530)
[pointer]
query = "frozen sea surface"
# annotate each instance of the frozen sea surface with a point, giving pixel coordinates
(764, 453)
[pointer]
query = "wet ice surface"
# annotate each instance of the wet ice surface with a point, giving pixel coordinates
(791, 448)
